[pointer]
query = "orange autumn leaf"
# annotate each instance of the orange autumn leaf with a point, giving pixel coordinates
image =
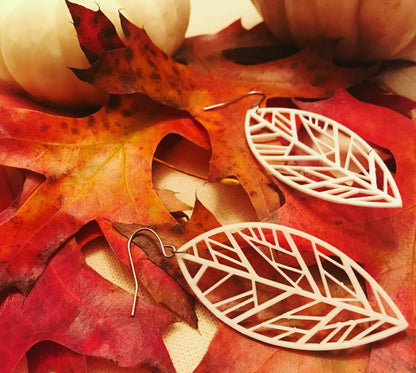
(206, 78)
(95, 167)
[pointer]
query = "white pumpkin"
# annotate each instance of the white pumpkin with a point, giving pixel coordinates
(38, 43)
(5, 77)
(363, 29)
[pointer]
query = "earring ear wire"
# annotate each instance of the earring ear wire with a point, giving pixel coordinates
(226, 103)
(165, 253)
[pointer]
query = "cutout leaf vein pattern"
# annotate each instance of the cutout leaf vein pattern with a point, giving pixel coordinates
(287, 288)
(320, 157)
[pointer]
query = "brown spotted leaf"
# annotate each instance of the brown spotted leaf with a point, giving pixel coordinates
(208, 78)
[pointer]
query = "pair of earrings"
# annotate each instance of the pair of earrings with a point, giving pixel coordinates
(280, 285)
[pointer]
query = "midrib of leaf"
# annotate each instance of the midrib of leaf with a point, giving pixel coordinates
(148, 121)
(126, 184)
(94, 175)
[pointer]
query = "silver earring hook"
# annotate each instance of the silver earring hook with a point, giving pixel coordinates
(254, 106)
(163, 247)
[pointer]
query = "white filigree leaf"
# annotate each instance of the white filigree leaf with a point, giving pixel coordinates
(319, 156)
(287, 288)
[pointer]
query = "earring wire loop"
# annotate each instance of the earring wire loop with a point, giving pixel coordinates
(226, 103)
(163, 247)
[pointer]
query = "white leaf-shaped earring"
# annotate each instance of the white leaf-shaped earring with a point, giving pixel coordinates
(318, 156)
(284, 287)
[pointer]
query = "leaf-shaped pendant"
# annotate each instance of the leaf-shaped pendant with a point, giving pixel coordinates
(287, 288)
(319, 156)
